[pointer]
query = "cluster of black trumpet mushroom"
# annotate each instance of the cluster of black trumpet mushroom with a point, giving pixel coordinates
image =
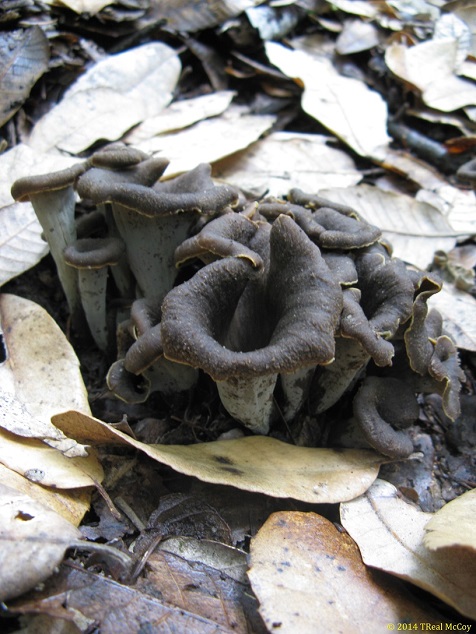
(294, 300)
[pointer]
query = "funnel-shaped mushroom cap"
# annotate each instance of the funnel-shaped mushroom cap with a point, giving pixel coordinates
(303, 302)
(27, 187)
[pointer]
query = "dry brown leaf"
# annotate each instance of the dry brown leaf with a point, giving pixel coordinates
(208, 140)
(254, 463)
(24, 56)
(431, 67)
(187, 15)
(181, 114)
(415, 229)
(309, 578)
(283, 160)
(346, 106)
(115, 94)
(82, 6)
(33, 542)
(71, 504)
(459, 315)
(453, 525)
(390, 533)
(41, 369)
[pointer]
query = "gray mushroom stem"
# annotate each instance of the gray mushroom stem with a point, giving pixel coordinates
(250, 400)
(92, 258)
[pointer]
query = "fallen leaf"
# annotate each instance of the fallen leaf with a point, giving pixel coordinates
(283, 160)
(82, 6)
(21, 244)
(187, 15)
(254, 463)
(115, 94)
(45, 465)
(24, 56)
(41, 369)
(309, 577)
(346, 106)
(208, 140)
(71, 504)
(458, 309)
(390, 534)
(181, 114)
(34, 540)
(453, 525)
(415, 229)
(357, 36)
(431, 68)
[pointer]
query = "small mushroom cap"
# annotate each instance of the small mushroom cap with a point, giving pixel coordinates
(24, 188)
(117, 155)
(379, 406)
(94, 253)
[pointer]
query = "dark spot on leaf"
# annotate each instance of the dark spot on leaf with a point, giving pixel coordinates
(25, 517)
(223, 460)
(233, 470)
(341, 568)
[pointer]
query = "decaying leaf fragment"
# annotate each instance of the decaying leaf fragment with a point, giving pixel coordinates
(390, 534)
(33, 540)
(254, 463)
(309, 577)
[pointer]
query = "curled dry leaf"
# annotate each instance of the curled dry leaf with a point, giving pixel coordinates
(33, 542)
(344, 105)
(431, 68)
(288, 159)
(305, 572)
(234, 130)
(82, 6)
(114, 95)
(390, 534)
(24, 56)
(188, 15)
(453, 525)
(254, 463)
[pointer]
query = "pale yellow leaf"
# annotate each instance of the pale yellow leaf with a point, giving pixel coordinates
(71, 504)
(453, 525)
(45, 465)
(346, 106)
(431, 67)
(254, 463)
(356, 36)
(115, 94)
(390, 533)
(309, 578)
(181, 114)
(283, 160)
(458, 309)
(33, 540)
(209, 140)
(415, 229)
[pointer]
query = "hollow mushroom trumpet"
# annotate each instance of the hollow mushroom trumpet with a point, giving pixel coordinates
(53, 199)
(296, 304)
(92, 257)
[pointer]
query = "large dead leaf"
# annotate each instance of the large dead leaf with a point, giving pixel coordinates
(453, 525)
(253, 463)
(187, 15)
(41, 368)
(390, 533)
(431, 67)
(283, 160)
(33, 542)
(415, 229)
(115, 94)
(346, 106)
(181, 114)
(82, 6)
(208, 140)
(459, 314)
(309, 577)
(24, 58)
